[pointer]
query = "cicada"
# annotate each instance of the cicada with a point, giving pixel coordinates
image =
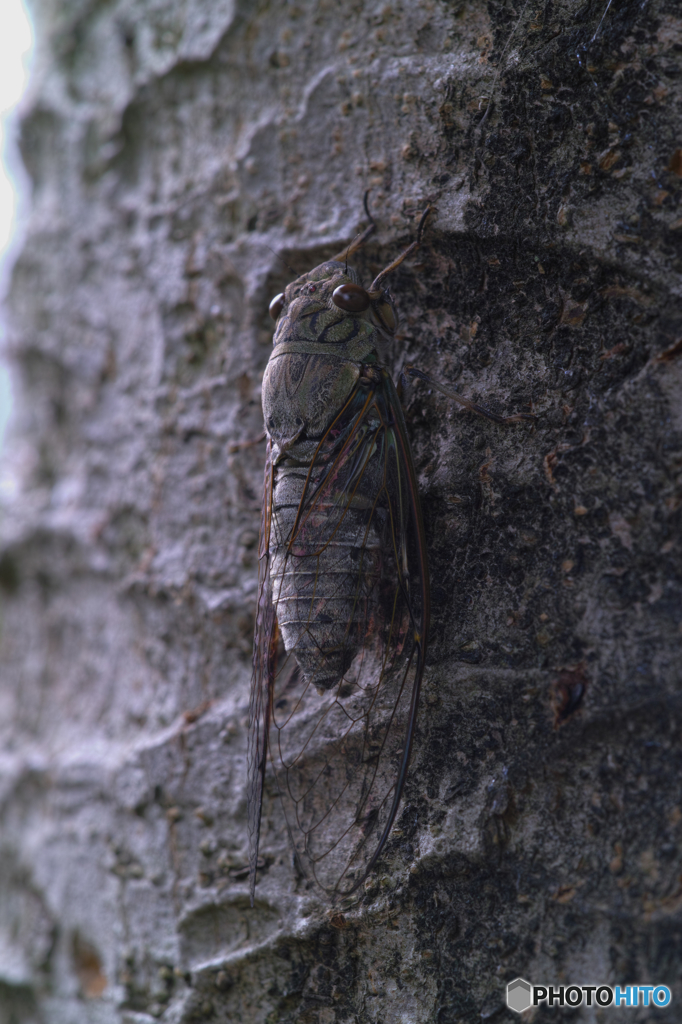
(343, 587)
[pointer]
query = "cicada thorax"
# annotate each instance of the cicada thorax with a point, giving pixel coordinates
(328, 528)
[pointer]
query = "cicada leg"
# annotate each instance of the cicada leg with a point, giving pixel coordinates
(377, 285)
(360, 239)
(410, 372)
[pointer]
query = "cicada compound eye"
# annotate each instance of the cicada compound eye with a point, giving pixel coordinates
(276, 306)
(351, 297)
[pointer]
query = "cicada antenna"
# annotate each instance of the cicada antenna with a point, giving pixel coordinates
(377, 284)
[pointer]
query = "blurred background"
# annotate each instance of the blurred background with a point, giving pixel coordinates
(16, 41)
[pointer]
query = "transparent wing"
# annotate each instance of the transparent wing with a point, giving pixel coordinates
(348, 583)
(264, 657)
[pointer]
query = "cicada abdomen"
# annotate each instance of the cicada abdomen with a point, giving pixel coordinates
(343, 584)
(326, 563)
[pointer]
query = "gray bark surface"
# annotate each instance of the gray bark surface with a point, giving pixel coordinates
(176, 151)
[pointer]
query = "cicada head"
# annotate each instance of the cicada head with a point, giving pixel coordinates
(335, 287)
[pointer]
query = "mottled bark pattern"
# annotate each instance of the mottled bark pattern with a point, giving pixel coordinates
(171, 148)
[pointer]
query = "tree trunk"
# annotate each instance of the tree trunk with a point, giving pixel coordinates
(187, 160)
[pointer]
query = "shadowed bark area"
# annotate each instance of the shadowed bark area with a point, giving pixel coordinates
(182, 157)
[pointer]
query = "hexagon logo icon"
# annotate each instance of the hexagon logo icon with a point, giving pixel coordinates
(518, 995)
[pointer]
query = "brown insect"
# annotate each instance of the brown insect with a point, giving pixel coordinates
(343, 590)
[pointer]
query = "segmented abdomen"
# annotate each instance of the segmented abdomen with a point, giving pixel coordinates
(325, 568)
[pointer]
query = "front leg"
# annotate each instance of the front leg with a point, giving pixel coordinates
(410, 372)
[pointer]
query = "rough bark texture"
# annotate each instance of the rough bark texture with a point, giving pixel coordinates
(175, 146)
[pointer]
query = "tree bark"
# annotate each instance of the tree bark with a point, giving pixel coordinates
(187, 160)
